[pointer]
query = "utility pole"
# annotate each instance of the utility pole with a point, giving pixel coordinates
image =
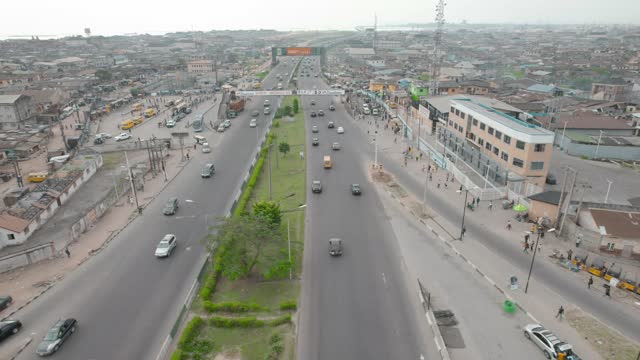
(573, 185)
(269, 167)
(564, 181)
(16, 168)
(133, 188)
(289, 245)
(151, 164)
(464, 210)
(606, 198)
(64, 138)
(598, 146)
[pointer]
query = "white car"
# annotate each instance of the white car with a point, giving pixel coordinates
(123, 136)
(221, 128)
(547, 341)
(166, 246)
(103, 136)
(171, 123)
(206, 148)
(253, 123)
(340, 130)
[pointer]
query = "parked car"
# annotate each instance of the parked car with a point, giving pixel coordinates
(123, 137)
(355, 189)
(335, 247)
(8, 328)
(171, 206)
(221, 128)
(550, 345)
(226, 123)
(340, 130)
(56, 336)
(5, 301)
(166, 246)
(208, 170)
(315, 142)
(316, 186)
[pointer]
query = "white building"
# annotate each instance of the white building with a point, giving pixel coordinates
(16, 110)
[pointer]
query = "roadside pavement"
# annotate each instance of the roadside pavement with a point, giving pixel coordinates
(540, 302)
(26, 283)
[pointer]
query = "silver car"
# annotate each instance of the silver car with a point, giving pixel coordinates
(547, 341)
(166, 246)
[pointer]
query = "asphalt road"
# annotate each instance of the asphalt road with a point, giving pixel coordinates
(356, 306)
(125, 299)
(555, 278)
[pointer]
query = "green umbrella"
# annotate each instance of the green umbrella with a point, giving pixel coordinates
(519, 208)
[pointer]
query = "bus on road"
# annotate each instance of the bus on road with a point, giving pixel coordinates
(198, 123)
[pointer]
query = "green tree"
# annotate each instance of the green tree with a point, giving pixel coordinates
(103, 75)
(284, 148)
(245, 238)
(296, 106)
(269, 210)
(288, 110)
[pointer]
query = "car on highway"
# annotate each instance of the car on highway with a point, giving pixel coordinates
(171, 123)
(335, 247)
(320, 113)
(267, 111)
(340, 130)
(103, 136)
(206, 148)
(226, 123)
(5, 301)
(266, 103)
(312, 114)
(8, 328)
(315, 142)
(374, 112)
(56, 336)
(330, 124)
(221, 128)
(208, 170)
(316, 186)
(549, 343)
(335, 146)
(123, 137)
(166, 246)
(98, 141)
(313, 102)
(171, 206)
(314, 129)
(355, 189)
(332, 108)
(255, 113)
(253, 123)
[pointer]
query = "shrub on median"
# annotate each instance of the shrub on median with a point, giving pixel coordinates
(233, 307)
(289, 305)
(177, 355)
(190, 332)
(284, 319)
(241, 206)
(244, 322)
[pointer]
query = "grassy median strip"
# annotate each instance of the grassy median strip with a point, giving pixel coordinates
(247, 298)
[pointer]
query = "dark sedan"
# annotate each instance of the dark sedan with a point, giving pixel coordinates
(56, 336)
(171, 206)
(5, 301)
(8, 328)
(355, 189)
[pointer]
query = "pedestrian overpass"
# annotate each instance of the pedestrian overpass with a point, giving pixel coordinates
(298, 51)
(314, 92)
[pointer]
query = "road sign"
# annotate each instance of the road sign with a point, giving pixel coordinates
(313, 92)
(320, 92)
(265, 93)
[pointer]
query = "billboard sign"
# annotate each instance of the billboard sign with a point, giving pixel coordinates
(332, 92)
(298, 51)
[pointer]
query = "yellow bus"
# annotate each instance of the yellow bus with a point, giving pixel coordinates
(126, 125)
(137, 107)
(149, 112)
(37, 177)
(137, 120)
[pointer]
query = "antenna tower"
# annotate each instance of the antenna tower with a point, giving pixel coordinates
(437, 51)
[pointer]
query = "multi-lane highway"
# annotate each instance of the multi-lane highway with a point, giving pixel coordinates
(125, 299)
(356, 306)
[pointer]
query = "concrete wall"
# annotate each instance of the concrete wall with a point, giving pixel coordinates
(27, 257)
(604, 151)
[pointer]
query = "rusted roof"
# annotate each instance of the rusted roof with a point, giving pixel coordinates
(621, 224)
(13, 223)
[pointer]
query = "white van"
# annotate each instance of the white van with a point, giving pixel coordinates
(199, 139)
(366, 110)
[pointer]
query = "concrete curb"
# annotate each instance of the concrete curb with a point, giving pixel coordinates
(28, 302)
(21, 349)
(437, 336)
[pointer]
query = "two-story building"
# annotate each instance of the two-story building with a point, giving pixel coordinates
(16, 110)
(521, 148)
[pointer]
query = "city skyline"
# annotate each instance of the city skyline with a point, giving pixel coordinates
(70, 17)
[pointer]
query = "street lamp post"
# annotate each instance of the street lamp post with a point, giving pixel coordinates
(540, 230)
(464, 211)
(289, 236)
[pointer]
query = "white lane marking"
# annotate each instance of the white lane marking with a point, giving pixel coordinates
(384, 279)
(189, 201)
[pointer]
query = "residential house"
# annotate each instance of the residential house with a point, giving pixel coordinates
(16, 110)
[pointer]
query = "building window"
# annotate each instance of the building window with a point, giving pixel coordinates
(490, 130)
(488, 146)
(496, 151)
(480, 141)
(506, 139)
(460, 128)
(537, 165)
(517, 162)
(520, 144)
(505, 156)
(482, 126)
(475, 121)
(498, 135)
(472, 136)
(463, 115)
(453, 109)
(11, 237)
(539, 148)
(457, 112)
(450, 123)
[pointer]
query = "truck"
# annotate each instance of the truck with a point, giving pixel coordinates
(235, 105)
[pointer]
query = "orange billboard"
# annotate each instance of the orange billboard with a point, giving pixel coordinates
(299, 51)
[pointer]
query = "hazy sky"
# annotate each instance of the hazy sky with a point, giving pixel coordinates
(67, 17)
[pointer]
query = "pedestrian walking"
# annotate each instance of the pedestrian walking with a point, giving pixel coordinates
(464, 231)
(508, 224)
(569, 254)
(578, 240)
(447, 179)
(66, 251)
(526, 247)
(526, 237)
(438, 185)
(607, 290)
(430, 177)
(590, 282)
(187, 155)
(194, 146)
(560, 313)
(477, 201)
(460, 190)
(490, 205)
(446, 186)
